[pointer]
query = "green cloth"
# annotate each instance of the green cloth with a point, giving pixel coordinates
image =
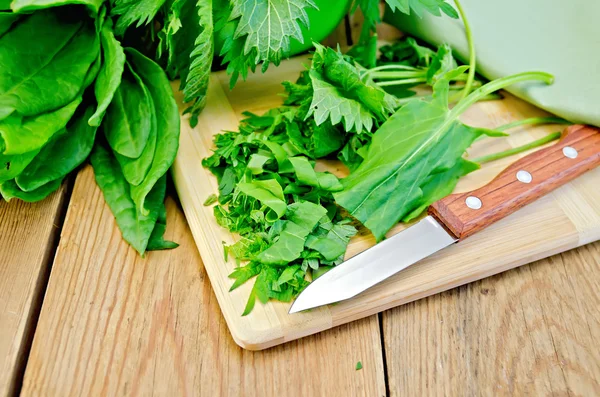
(561, 37)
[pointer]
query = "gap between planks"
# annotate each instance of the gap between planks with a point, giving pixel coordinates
(35, 232)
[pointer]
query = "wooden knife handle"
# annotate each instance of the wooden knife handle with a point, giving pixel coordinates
(529, 178)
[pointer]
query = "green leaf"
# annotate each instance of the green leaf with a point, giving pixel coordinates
(23, 6)
(157, 241)
(269, 25)
(167, 124)
(61, 155)
(288, 274)
(25, 134)
(419, 7)
(127, 122)
(257, 162)
(289, 246)
(333, 244)
(41, 47)
(196, 82)
(441, 63)
(305, 214)
(7, 19)
(135, 170)
(140, 12)
(244, 273)
(135, 226)
(308, 176)
(10, 190)
(11, 166)
(438, 186)
(210, 200)
(358, 366)
(109, 77)
(387, 186)
(269, 193)
(329, 103)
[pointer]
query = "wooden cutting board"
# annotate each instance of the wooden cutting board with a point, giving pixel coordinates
(565, 219)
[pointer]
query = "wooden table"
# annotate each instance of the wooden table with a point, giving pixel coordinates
(82, 314)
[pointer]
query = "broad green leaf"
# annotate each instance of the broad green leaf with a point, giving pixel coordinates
(333, 244)
(61, 155)
(10, 190)
(43, 46)
(167, 124)
(34, 5)
(305, 214)
(91, 74)
(418, 140)
(5, 5)
(128, 120)
(109, 77)
(7, 19)
(269, 193)
(139, 12)
(439, 185)
(25, 134)
(11, 166)
(135, 226)
(269, 25)
(157, 241)
(135, 170)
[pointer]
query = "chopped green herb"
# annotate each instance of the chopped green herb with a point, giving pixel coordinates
(358, 366)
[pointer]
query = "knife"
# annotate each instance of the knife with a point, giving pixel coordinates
(456, 217)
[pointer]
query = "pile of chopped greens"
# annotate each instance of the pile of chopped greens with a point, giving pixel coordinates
(403, 149)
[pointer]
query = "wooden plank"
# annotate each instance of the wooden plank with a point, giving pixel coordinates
(115, 324)
(530, 331)
(28, 239)
(559, 221)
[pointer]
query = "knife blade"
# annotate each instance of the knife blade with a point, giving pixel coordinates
(458, 216)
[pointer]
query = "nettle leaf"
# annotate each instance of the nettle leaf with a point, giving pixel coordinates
(328, 103)
(339, 93)
(196, 82)
(138, 12)
(419, 140)
(420, 7)
(269, 25)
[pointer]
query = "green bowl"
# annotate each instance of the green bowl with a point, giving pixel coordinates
(323, 22)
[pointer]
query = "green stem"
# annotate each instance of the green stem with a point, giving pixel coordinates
(472, 59)
(393, 67)
(496, 85)
(402, 81)
(396, 75)
(532, 121)
(517, 150)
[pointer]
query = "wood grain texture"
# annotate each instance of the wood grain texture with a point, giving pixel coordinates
(549, 169)
(530, 331)
(564, 219)
(115, 324)
(28, 235)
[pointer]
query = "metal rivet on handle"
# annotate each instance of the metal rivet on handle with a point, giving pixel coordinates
(473, 202)
(570, 152)
(524, 176)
